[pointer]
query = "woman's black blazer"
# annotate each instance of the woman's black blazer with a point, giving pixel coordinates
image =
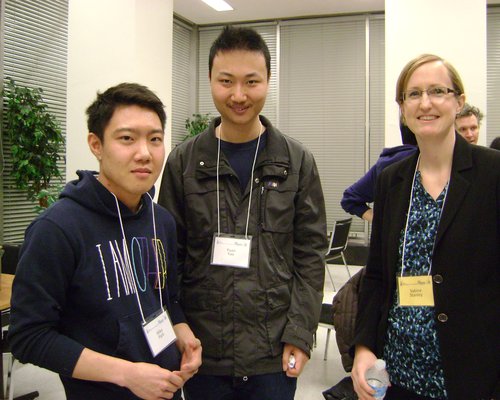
(465, 268)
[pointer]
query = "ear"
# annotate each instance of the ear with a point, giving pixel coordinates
(461, 102)
(95, 145)
(401, 114)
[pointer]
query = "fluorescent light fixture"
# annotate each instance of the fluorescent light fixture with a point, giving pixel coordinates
(218, 5)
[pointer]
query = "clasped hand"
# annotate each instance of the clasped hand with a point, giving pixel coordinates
(151, 382)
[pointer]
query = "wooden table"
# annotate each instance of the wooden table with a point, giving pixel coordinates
(5, 295)
(5, 291)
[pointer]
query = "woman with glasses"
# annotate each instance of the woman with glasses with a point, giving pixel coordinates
(429, 303)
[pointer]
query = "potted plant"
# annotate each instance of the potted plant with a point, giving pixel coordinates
(36, 140)
(197, 124)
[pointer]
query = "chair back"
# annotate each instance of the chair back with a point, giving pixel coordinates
(10, 257)
(339, 236)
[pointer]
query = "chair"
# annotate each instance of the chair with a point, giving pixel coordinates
(326, 321)
(9, 255)
(338, 243)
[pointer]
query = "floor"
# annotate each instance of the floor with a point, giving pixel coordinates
(317, 376)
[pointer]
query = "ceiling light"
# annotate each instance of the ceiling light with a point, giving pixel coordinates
(218, 5)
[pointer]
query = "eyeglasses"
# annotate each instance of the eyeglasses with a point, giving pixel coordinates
(435, 94)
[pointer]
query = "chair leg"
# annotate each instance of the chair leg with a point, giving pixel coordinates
(326, 344)
(9, 389)
(331, 279)
(345, 263)
(12, 365)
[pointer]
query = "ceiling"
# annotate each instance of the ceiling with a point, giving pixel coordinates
(251, 10)
(199, 13)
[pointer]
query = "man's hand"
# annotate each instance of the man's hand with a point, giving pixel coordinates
(151, 382)
(301, 359)
(147, 381)
(368, 215)
(190, 348)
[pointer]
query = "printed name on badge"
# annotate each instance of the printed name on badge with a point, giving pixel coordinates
(231, 250)
(415, 291)
(159, 332)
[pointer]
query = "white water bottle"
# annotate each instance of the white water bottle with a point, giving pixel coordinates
(378, 378)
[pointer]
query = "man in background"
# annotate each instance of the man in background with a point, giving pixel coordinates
(467, 123)
(357, 197)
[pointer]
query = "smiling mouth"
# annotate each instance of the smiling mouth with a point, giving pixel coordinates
(239, 109)
(427, 118)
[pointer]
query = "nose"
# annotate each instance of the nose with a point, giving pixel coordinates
(143, 152)
(425, 100)
(239, 94)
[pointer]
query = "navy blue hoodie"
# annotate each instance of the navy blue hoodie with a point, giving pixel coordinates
(355, 197)
(74, 288)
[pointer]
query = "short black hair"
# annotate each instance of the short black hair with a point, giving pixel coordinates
(495, 143)
(100, 112)
(239, 38)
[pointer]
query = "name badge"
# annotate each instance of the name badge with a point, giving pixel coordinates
(231, 250)
(159, 332)
(415, 291)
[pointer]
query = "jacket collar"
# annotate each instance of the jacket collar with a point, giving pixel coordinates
(275, 153)
(460, 180)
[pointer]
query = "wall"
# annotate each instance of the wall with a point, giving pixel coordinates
(113, 41)
(452, 29)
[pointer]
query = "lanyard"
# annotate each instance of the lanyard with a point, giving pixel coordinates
(408, 219)
(128, 262)
(251, 180)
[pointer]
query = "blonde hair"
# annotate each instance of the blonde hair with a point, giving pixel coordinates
(417, 62)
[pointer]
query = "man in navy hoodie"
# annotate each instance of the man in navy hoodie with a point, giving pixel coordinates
(95, 296)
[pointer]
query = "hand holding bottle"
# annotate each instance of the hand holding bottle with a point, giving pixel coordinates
(378, 379)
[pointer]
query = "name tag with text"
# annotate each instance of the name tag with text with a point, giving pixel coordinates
(415, 291)
(231, 250)
(159, 332)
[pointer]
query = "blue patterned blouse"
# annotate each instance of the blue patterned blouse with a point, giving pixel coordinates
(412, 346)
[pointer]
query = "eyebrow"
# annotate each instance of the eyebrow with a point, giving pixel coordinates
(127, 129)
(250, 75)
(430, 86)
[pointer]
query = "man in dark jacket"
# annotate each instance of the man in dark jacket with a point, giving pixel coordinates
(251, 234)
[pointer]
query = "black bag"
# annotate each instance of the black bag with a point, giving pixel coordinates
(344, 390)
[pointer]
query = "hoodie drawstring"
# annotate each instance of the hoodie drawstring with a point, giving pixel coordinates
(127, 256)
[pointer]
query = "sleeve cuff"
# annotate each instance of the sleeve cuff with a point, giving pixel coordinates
(299, 337)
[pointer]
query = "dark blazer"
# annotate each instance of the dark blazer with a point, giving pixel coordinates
(465, 269)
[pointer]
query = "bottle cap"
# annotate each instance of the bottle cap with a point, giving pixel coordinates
(379, 364)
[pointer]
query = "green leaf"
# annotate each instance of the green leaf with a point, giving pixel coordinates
(35, 138)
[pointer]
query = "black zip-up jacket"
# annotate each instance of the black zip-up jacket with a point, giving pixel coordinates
(243, 316)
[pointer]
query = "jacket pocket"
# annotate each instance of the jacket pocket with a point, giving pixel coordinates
(203, 310)
(274, 268)
(201, 206)
(278, 302)
(278, 205)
